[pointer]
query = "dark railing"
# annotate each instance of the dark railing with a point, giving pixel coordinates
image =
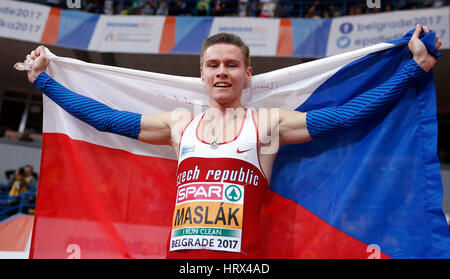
(22, 203)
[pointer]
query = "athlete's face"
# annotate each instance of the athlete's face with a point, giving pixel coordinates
(224, 74)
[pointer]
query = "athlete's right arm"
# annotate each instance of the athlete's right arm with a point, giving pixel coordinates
(154, 129)
(164, 128)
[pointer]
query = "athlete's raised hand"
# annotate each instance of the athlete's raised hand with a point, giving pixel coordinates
(40, 63)
(419, 51)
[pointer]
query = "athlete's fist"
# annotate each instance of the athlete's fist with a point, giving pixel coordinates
(419, 51)
(40, 63)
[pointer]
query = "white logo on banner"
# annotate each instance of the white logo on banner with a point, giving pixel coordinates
(354, 32)
(260, 34)
(133, 34)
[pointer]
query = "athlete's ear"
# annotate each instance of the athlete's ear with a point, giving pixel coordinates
(201, 74)
(248, 74)
(248, 77)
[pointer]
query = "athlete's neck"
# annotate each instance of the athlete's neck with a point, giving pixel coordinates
(225, 108)
(225, 113)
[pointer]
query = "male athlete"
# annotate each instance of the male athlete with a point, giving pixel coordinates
(222, 173)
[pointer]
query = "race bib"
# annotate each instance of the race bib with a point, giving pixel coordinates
(208, 216)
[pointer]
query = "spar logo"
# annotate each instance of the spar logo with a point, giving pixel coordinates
(200, 191)
(233, 193)
(210, 192)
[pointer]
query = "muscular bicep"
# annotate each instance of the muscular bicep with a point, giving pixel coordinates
(292, 127)
(164, 128)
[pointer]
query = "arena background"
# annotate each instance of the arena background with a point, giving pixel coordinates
(21, 104)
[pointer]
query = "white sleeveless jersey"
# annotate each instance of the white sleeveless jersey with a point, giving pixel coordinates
(243, 147)
(220, 194)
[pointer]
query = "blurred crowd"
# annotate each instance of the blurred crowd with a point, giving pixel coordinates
(251, 8)
(19, 194)
(21, 180)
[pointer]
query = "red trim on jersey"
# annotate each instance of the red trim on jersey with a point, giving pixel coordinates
(257, 146)
(198, 125)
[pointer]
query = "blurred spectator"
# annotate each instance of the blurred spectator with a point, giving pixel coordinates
(30, 176)
(116, 8)
(136, 7)
(218, 8)
(351, 9)
(230, 7)
(176, 7)
(149, 8)
(92, 6)
(334, 11)
(358, 10)
(203, 7)
(17, 184)
(268, 8)
(108, 7)
(22, 180)
(312, 12)
(254, 8)
(243, 6)
(162, 8)
(286, 8)
(438, 3)
(131, 7)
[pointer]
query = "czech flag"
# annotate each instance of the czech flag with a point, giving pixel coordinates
(371, 192)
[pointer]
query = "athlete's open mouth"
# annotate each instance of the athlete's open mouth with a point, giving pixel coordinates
(222, 84)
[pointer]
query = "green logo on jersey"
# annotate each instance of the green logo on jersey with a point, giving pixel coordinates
(233, 193)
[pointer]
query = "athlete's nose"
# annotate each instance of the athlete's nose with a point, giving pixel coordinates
(221, 71)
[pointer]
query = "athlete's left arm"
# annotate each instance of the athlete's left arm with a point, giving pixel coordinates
(298, 127)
